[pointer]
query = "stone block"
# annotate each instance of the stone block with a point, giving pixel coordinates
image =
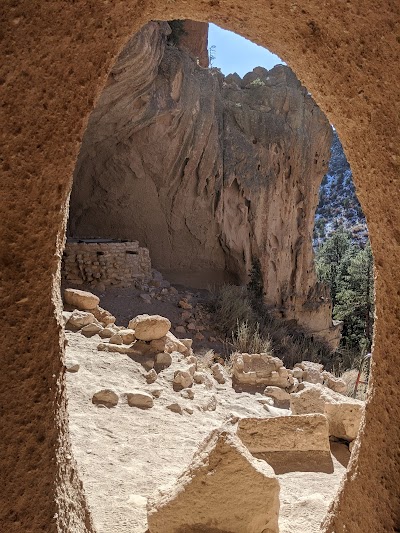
(224, 489)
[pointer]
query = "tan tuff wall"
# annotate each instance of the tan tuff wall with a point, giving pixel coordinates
(55, 60)
(101, 264)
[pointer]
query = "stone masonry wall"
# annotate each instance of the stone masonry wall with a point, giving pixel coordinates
(105, 263)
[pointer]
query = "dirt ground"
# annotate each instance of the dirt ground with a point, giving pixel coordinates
(125, 453)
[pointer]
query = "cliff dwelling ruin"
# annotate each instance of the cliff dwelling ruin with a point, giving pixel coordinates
(56, 62)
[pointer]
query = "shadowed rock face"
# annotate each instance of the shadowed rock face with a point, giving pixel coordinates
(208, 172)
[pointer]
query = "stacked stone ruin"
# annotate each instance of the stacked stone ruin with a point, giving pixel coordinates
(101, 263)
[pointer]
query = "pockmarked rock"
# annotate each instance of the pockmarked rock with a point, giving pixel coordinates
(82, 300)
(150, 327)
(203, 498)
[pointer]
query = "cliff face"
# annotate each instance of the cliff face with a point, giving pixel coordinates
(207, 172)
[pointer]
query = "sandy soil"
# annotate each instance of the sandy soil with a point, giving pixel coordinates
(125, 453)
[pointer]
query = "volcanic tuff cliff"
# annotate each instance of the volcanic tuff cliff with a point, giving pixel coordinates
(208, 172)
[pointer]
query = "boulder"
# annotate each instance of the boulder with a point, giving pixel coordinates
(163, 360)
(288, 443)
(72, 366)
(106, 333)
(218, 373)
(91, 329)
(116, 339)
(103, 316)
(151, 376)
(182, 380)
(140, 399)
(169, 343)
(79, 319)
(105, 397)
(150, 327)
(188, 394)
(280, 396)
(224, 489)
(343, 413)
(334, 383)
(82, 300)
(175, 408)
(127, 336)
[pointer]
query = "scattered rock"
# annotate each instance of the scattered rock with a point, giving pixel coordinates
(169, 343)
(150, 327)
(280, 396)
(180, 329)
(103, 316)
(83, 300)
(199, 336)
(182, 380)
(175, 408)
(106, 333)
(146, 298)
(72, 366)
(140, 399)
(116, 339)
(297, 373)
(105, 397)
(187, 342)
(79, 319)
(184, 304)
(199, 377)
(188, 394)
(151, 376)
(334, 383)
(127, 336)
(312, 372)
(210, 405)
(203, 494)
(186, 315)
(218, 373)
(191, 326)
(156, 392)
(91, 329)
(163, 360)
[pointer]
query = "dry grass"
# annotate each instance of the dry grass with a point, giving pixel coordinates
(249, 327)
(248, 339)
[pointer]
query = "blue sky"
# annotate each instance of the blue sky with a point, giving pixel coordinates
(234, 53)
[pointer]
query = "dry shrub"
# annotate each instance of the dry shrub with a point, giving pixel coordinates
(232, 306)
(248, 339)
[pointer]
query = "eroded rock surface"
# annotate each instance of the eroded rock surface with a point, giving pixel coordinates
(208, 172)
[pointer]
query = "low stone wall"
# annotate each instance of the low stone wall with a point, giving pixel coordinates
(100, 263)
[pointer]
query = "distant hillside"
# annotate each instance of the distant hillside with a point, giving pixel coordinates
(338, 204)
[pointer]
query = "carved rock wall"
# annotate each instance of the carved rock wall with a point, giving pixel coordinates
(208, 172)
(346, 54)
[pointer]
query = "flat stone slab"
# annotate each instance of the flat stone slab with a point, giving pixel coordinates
(289, 443)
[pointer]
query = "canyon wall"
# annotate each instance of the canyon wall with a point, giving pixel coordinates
(208, 172)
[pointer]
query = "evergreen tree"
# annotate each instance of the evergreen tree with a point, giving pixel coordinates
(348, 270)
